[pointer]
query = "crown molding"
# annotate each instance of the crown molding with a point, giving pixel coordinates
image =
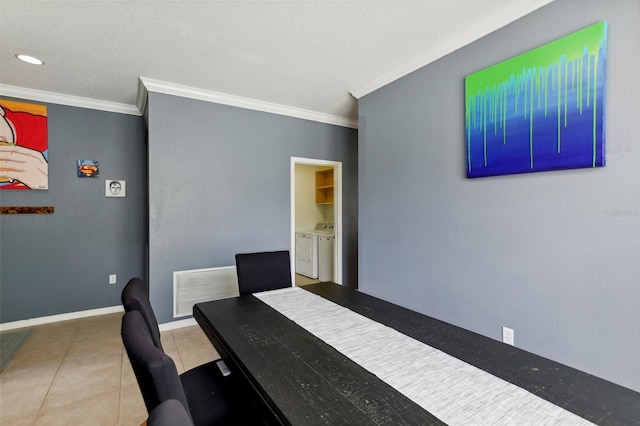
(150, 85)
(506, 16)
(70, 100)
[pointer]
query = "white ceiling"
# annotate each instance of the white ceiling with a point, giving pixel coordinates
(310, 55)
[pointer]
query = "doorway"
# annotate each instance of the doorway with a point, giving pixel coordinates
(332, 208)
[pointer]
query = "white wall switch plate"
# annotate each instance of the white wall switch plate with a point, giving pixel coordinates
(112, 279)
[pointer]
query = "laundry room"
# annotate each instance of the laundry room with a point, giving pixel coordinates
(314, 223)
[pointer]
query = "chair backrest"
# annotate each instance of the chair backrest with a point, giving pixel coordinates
(135, 297)
(170, 413)
(263, 271)
(155, 371)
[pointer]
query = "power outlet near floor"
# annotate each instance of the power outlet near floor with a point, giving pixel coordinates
(507, 335)
(112, 279)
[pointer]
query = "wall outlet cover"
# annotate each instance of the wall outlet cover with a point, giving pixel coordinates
(507, 335)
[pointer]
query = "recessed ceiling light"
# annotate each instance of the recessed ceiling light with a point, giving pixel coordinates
(30, 59)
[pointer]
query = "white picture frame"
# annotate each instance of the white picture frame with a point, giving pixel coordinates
(115, 188)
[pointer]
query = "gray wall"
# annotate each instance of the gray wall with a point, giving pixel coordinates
(552, 255)
(219, 184)
(60, 263)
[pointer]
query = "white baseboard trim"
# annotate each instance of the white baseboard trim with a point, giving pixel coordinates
(173, 325)
(60, 317)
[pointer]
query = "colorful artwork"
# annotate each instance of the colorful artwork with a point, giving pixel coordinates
(88, 168)
(539, 111)
(24, 147)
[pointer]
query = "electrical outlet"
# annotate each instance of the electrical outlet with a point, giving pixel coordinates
(112, 279)
(507, 335)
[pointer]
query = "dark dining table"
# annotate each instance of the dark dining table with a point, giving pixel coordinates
(301, 380)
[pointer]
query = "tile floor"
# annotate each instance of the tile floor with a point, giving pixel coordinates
(302, 280)
(77, 372)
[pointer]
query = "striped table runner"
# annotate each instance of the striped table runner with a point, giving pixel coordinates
(450, 389)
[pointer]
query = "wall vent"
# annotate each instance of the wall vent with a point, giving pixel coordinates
(202, 285)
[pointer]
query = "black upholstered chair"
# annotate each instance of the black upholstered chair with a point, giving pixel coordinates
(135, 297)
(203, 377)
(170, 413)
(208, 397)
(263, 271)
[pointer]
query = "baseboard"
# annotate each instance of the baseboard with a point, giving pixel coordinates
(177, 324)
(88, 313)
(60, 317)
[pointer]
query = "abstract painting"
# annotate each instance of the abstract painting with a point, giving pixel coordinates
(539, 111)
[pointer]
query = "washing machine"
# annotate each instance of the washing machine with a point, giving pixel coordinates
(314, 252)
(307, 254)
(326, 246)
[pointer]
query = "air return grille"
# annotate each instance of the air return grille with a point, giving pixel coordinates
(201, 285)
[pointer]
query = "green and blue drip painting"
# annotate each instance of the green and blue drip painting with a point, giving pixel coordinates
(539, 111)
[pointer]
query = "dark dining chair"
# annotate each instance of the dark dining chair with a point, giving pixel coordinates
(135, 297)
(263, 271)
(208, 397)
(170, 412)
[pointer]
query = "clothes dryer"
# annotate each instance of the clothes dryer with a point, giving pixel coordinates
(314, 252)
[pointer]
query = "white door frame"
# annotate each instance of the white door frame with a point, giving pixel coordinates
(337, 211)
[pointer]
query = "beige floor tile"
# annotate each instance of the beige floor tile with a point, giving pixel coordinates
(175, 356)
(128, 376)
(88, 381)
(84, 353)
(100, 409)
(48, 334)
(132, 409)
(197, 355)
(100, 327)
(93, 333)
(302, 280)
(34, 366)
(189, 336)
(168, 344)
(77, 372)
(21, 420)
(20, 400)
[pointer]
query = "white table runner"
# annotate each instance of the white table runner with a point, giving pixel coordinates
(452, 390)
